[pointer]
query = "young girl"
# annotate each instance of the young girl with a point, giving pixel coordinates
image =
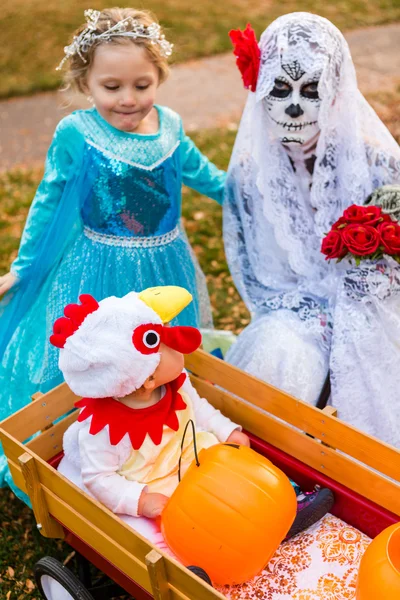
(106, 217)
(308, 146)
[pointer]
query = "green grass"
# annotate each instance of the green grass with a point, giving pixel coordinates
(22, 544)
(33, 34)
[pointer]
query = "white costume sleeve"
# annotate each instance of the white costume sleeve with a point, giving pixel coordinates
(100, 462)
(207, 417)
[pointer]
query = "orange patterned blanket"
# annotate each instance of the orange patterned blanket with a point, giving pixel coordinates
(318, 564)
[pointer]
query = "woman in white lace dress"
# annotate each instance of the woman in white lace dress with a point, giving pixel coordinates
(308, 146)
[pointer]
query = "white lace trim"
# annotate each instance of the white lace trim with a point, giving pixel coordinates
(131, 242)
(132, 163)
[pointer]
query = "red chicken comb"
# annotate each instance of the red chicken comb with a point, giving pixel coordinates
(75, 314)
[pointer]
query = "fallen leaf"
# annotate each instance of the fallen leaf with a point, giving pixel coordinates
(29, 585)
(10, 572)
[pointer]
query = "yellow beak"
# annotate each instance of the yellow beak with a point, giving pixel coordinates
(167, 301)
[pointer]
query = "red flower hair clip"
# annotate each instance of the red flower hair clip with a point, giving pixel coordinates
(248, 54)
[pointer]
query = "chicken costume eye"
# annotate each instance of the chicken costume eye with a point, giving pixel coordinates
(151, 339)
(147, 338)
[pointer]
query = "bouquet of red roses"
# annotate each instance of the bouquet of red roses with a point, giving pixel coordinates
(363, 232)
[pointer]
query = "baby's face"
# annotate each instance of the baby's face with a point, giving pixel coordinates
(123, 83)
(293, 105)
(170, 366)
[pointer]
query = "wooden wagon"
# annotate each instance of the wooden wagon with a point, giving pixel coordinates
(311, 446)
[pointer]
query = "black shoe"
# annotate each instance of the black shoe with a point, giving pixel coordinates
(311, 507)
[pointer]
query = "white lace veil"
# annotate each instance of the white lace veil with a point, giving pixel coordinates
(280, 234)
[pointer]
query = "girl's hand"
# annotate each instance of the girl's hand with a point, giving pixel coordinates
(6, 282)
(151, 505)
(237, 437)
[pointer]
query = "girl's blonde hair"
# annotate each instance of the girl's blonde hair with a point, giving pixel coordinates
(77, 68)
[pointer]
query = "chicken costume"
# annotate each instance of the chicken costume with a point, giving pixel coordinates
(108, 350)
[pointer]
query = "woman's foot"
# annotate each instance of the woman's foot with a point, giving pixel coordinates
(311, 507)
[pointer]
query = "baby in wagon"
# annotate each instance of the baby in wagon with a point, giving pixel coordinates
(127, 363)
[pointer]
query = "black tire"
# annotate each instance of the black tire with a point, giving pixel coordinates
(200, 573)
(48, 568)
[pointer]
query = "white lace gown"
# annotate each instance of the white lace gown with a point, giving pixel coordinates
(277, 210)
(365, 355)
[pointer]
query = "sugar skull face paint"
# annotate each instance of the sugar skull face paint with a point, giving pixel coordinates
(293, 105)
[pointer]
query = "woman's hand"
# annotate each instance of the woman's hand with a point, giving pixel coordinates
(151, 505)
(238, 437)
(6, 282)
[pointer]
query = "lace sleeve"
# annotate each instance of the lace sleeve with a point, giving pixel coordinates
(250, 288)
(385, 168)
(379, 280)
(364, 360)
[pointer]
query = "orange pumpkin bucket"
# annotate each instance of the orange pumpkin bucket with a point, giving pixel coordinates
(229, 514)
(379, 574)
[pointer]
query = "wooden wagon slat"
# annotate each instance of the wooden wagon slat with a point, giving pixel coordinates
(352, 474)
(81, 502)
(331, 430)
(50, 442)
(18, 478)
(184, 585)
(48, 526)
(166, 576)
(40, 413)
(158, 577)
(120, 555)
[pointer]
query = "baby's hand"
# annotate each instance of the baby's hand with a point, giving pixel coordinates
(237, 437)
(151, 505)
(6, 282)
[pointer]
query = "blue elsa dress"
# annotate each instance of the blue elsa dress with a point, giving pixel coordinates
(105, 221)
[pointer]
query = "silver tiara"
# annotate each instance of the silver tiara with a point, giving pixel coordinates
(82, 42)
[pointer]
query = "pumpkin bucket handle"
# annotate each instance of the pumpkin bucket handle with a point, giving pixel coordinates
(194, 446)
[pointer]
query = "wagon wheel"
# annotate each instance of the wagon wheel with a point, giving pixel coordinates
(56, 582)
(200, 573)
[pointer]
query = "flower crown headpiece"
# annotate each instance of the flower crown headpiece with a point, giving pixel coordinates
(82, 42)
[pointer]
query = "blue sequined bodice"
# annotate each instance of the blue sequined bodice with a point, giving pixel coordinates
(128, 201)
(136, 181)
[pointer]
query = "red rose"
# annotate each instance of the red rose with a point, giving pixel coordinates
(340, 223)
(373, 215)
(390, 237)
(367, 215)
(354, 214)
(385, 218)
(248, 55)
(332, 245)
(361, 240)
